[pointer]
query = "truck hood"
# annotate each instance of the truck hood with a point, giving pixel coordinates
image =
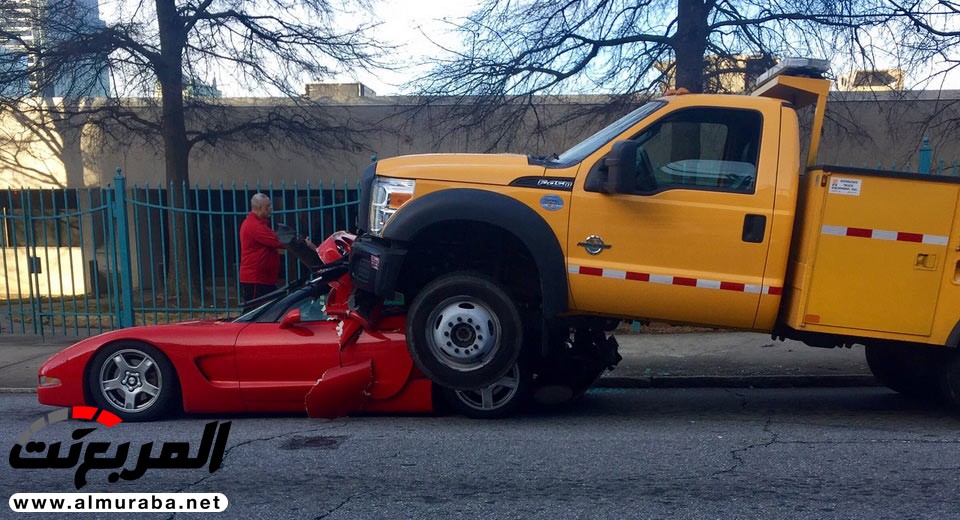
(469, 168)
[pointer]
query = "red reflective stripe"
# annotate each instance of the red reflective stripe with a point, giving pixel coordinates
(859, 232)
(731, 286)
(909, 237)
(902, 236)
(677, 280)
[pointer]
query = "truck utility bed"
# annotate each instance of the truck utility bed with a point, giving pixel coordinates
(875, 255)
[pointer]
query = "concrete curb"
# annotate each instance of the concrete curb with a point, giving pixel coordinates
(784, 381)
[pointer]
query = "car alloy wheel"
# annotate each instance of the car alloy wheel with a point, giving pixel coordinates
(133, 380)
(500, 399)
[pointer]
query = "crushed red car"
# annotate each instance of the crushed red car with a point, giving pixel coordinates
(301, 348)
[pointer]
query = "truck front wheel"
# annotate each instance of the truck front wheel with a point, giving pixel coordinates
(464, 331)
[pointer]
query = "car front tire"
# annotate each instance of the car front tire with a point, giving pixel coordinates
(133, 380)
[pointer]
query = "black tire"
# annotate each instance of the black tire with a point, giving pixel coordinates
(464, 331)
(950, 380)
(911, 371)
(501, 399)
(133, 380)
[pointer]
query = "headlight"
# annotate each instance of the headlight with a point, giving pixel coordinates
(48, 381)
(388, 196)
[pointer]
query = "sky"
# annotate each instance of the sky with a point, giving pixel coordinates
(413, 27)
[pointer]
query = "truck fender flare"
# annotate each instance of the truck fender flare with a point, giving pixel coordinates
(953, 340)
(498, 210)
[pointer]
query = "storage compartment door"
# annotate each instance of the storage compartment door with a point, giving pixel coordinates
(881, 252)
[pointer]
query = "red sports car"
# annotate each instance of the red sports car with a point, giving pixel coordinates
(301, 349)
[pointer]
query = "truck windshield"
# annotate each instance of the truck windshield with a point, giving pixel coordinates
(593, 143)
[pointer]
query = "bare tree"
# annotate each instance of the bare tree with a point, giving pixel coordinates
(513, 51)
(136, 76)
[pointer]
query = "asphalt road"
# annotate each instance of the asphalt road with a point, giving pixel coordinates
(618, 453)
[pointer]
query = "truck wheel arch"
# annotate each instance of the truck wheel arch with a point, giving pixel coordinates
(496, 210)
(953, 340)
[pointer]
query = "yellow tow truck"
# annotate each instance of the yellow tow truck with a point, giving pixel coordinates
(694, 208)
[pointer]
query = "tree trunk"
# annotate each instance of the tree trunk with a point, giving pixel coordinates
(690, 43)
(173, 129)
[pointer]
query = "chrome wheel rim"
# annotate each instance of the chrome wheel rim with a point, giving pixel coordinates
(464, 333)
(494, 396)
(130, 380)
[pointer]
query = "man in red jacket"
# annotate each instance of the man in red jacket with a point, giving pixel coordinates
(259, 256)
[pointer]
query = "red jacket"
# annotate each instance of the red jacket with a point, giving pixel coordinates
(259, 259)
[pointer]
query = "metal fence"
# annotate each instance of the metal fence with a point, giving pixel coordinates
(71, 270)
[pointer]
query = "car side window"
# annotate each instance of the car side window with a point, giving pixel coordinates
(311, 309)
(712, 149)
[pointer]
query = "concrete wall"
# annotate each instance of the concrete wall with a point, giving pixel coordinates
(861, 128)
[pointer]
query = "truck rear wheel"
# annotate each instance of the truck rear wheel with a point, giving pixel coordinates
(464, 331)
(950, 380)
(911, 371)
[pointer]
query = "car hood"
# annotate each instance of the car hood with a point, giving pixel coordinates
(88, 345)
(499, 169)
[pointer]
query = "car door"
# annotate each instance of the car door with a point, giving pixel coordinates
(277, 365)
(690, 243)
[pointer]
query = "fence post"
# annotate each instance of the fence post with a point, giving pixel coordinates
(925, 156)
(123, 250)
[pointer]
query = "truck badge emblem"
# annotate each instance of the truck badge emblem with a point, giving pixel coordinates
(594, 245)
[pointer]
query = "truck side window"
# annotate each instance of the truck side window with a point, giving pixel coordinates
(705, 148)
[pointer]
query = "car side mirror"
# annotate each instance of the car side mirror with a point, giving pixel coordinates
(290, 319)
(621, 168)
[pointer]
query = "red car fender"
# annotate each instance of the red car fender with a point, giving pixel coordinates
(340, 391)
(392, 364)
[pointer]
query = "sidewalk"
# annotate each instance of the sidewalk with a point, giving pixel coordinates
(732, 360)
(659, 360)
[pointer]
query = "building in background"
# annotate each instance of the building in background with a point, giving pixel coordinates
(338, 91)
(875, 80)
(28, 24)
(723, 74)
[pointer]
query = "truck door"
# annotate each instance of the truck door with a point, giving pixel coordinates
(692, 245)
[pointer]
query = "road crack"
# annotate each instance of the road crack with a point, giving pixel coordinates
(738, 453)
(337, 507)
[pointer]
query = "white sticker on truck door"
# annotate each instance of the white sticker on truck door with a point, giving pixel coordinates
(842, 186)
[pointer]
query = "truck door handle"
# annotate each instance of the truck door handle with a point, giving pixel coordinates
(754, 228)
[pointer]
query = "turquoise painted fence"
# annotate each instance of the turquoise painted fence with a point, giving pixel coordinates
(70, 271)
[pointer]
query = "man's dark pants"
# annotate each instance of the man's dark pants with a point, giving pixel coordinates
(254, 290)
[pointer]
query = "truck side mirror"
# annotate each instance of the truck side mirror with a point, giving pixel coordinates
(621, 168)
